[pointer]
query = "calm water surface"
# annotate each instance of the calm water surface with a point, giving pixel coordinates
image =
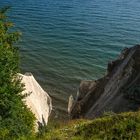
(66, 41)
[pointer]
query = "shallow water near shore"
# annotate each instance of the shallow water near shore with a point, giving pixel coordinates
(65, 41)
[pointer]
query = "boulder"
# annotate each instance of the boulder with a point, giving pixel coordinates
(37, 99)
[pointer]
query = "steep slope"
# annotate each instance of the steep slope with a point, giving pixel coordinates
(117, 91)
(124, 126)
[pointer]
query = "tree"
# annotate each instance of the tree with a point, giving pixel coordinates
(16, 119)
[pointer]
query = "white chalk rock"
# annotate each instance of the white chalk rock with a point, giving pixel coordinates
(38, 100)
(70, 103)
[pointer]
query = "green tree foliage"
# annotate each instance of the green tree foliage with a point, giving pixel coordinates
(16, 119)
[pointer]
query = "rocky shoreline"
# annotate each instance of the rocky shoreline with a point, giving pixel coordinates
(118, 91)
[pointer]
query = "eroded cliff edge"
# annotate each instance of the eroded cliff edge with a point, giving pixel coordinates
(117, 91)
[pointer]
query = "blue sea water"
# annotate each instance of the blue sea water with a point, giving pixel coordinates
(66, 41)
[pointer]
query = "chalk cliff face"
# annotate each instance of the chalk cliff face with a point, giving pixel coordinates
(37, 100)
(117, 91)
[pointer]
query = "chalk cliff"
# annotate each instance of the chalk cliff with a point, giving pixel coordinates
(117, 91)
(37, 99)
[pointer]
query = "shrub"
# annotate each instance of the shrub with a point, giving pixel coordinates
(15, 118)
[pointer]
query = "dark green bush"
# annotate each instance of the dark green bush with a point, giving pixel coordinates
(15, 118)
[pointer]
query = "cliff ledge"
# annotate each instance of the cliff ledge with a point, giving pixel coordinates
(118, 91)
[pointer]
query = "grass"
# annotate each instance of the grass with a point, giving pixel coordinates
(125, 126)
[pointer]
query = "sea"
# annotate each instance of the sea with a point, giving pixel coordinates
(66, 41)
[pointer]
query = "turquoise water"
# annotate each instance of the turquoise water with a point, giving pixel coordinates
(66, 41)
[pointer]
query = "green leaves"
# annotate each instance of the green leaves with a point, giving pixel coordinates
(7, 39)
(16, 119)
(4, 10)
